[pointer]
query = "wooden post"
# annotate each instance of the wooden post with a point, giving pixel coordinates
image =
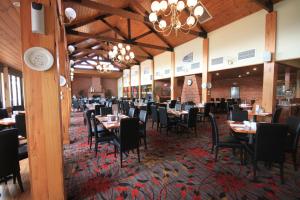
(129, 89)
(153, 82)
(298, 85)
(174, 93)
(43, 112)
(6, 87)
(270, 68)
(206, 76)
(139, 82)
(287, 78)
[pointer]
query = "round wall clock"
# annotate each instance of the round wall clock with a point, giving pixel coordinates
(209, 85)
(62, 81)
(38, 58)
(189, 82)
(204, 85)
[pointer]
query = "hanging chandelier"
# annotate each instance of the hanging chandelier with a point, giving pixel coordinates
(105, 68)
(173, 9)
(121, 54)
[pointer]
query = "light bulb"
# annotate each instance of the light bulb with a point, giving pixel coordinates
(178, 25)
(180, 5)
(123, 51)
(190, 20)
(155, 6)
(120, 45)
(127, 47)
(115, 48)
(70, 14)
(163, 5)
(120, 57)
(162, 24)
(172, 1)
(191, 3)
(110, 54)
(131, 54)
(71, 48)
(127, 57)
(72, 69)
(153, 17)
(199, 10)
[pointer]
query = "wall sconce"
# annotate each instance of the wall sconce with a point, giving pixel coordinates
(37, 18)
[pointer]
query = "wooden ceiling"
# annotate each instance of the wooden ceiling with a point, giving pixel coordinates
(105, 20)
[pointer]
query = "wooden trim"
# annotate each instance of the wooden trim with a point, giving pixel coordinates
(173, 79)
(6, 87)
(43, 112)
(206, 76)
(271, 68)
(265, 4)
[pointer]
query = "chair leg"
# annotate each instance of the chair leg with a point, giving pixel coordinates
(138, 153)
(216, 153)
(96, 148)
(254, 170)
(121, 158)
(212, 148)
(115, 150)
(20, 181)
(295, 161)
(281, 173)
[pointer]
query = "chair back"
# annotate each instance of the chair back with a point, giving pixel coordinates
(9, 152)
(129, 134)
(105, 111)
(192, 117)
(172, 104)
(97, 109)
(214, 129)
(163, 116)
(276, 115)
(131, 112)
(239, 115)
(143, 118)
(206, 109)
(178, 106)
(21, 124)
(293, 135)
(270, 142)
(88, 115)
(126, 107)
(3, 113)
(187, 107)
(154, 113)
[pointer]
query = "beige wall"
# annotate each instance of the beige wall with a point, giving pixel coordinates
(162, 66)
(84, 83)
(146, 72)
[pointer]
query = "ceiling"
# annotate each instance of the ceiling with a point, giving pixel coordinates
(115, 25)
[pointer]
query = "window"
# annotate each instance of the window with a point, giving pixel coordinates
(15, 90)
(2, 93)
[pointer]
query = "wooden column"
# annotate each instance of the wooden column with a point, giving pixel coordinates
(6, 87)
(287, 78)
(139, 82)
(298, 85)
(153, 82)
(270, 68)
(43, 112)
(206, 76)
(173, 86)
(129, 89)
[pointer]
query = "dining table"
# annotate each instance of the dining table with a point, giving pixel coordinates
(254, 114)
(246, 106)
(177, 113)
(110, 125)
(242, 128)
(7, 121)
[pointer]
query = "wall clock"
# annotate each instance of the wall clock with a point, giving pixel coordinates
(189, 82)
(204, 85)
(62, 81)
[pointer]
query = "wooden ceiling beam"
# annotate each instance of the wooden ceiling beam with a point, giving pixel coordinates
(86, 21)
(108, 39)
(141, 36)
(84, 40)
(266, 4)
(129, 28)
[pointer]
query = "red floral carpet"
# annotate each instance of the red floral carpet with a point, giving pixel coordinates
(173, 167)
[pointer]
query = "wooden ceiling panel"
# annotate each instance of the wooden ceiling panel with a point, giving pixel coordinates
(10, 37)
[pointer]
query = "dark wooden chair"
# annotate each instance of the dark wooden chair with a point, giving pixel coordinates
(105, 111)
(3, 113)
(131, 112)
(142, 126)
(224, 142)
(238, 115)
(9, 156)
(292, 138)
(190, 123)
(165, 121)
(276, 115)
(129, 137)
(154, 116)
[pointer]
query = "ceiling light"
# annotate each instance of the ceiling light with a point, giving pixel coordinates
(16, 4)
(247, 73)
(240, 76)
(217, 74)
(254, 69)
(70, 13)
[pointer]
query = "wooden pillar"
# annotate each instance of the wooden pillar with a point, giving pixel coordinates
(129, 89)
(206, 76)
(139, 82)
(270, 68)
(153, 82)
(298, 85)
(287, 78)
(6, 87)
(43, 112)
(173, 86)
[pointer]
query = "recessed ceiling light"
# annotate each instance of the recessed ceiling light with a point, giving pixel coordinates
(16, 4)
(217, 74)
(254, 69)
(240, 76)
(247, 73)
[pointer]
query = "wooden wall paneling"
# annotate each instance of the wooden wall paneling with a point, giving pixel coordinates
(270, 68)
(206, 76)
(6, 87)
(42, 104)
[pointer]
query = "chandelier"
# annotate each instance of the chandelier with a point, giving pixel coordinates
(173, 9)
(120, 54)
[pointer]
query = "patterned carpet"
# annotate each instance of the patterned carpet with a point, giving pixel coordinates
(173, 167)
